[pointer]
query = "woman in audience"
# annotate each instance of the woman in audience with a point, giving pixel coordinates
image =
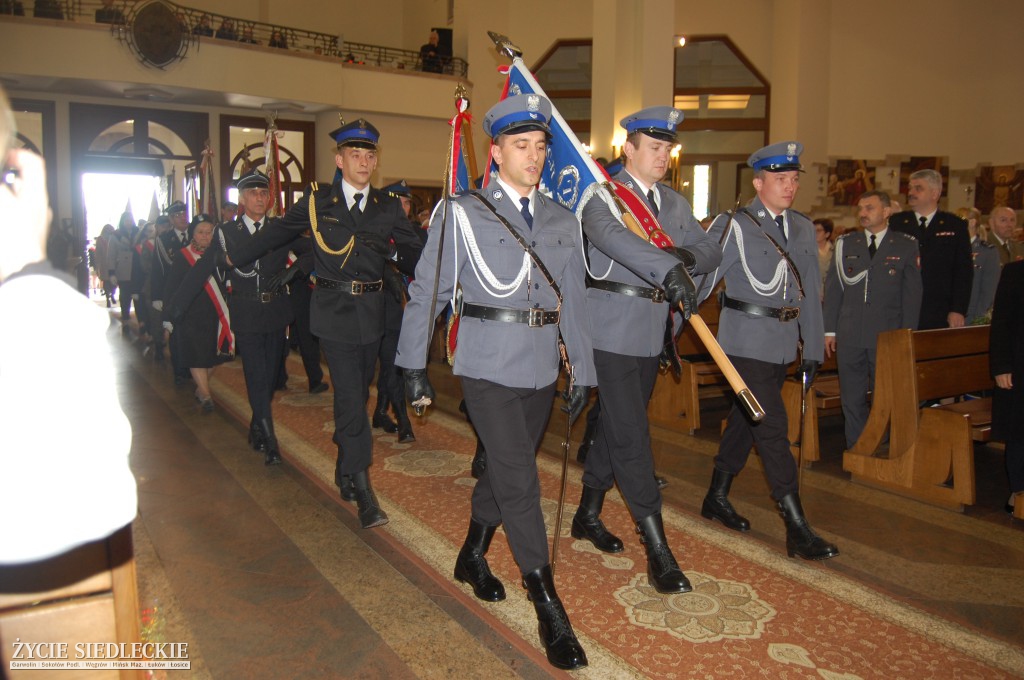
(197, 311)
(277, 39)
(823, 228)
(1006, 363)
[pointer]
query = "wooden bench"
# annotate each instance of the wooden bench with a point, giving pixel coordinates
(927, 446)
(85, 595)
(822, 399)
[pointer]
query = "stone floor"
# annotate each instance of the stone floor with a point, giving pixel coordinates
(267, 575)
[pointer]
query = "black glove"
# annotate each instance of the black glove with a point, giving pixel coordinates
(376, 243)
(575, 399)
(278, 281)
(680, 290)
(686, 257)
(418, 390)
(393, 283)
(668, 360)
(806, 372)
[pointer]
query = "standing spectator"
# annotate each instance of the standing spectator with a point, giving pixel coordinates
(823, 228)
(872, 285)
(946, 269)
(433, 56)
(226, 30)
(103, 262)
(203, 26)
(1006, 363)
(1002, 222)
(247, 37)
(773, 301)
(196, 311)
(108, 14)
(124, 264)
(985, 258)
(228, 211)
(278, 40)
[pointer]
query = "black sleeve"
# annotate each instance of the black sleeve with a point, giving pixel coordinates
(1005, 310)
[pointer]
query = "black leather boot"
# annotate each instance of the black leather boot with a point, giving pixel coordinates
(370, 513)
(800, 539)
(587, 522)
(405, 433)
(345, 486)
(381, 419)
(663, 571)
(717, 506)
(563, 649)
(256, 437)
(471, 565)
(271, 455)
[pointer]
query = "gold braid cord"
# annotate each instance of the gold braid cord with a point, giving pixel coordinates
(346, 250)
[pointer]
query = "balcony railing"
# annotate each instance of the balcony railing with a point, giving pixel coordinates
(210, 26)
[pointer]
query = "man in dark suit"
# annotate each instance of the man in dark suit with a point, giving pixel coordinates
(352, 225)
(168, 249)
(508, 355)
(946, 264)
(629, 313)
(873, 285)
(260, 312)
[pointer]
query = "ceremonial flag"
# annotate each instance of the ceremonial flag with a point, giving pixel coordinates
(570, 175)
(208, 188)
(460, 176)
(272, 165)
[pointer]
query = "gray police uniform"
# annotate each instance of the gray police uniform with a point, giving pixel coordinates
(987, 268)
(508, 369)
(628, 316)
(865, 296)
(760, 347)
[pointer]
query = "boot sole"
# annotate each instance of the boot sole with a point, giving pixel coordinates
(582, 536)
(813, 558)
(378, 523)
(715, 518)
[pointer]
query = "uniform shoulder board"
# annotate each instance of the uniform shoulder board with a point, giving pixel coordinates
(985, 244)
(312, 188)
(797, 212)
(907, 236)
(844, 235)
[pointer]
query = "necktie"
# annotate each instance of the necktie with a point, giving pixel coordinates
(872, 247)
(256, 225)
(355, 205)
(924, 223)
(781, 221)
(525, 210)
(183, 237)
(654, 203)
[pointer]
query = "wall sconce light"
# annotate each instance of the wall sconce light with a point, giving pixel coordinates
(680, 41)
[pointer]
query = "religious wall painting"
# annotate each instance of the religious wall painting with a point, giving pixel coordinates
(915, 163)
(999, 185)
(848, 179)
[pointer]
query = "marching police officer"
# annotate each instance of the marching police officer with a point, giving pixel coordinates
(352, 225)
(167, 248)
(772, 302)
(873, 285)
(629, 311)
(515, 305)
(260, 312)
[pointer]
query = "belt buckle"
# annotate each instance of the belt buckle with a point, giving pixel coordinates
(658, 296)
(266, 297)
(788, 313)
(535, 318)
(357, 288)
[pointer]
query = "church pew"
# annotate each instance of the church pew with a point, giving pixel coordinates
(927, 446)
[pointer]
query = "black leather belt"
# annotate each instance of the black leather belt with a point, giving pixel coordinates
(354, 287)
(258, 297)
(652, 294)
(534, 318)
(781, 313)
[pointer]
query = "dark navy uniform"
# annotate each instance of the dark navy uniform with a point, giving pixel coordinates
(946, 264)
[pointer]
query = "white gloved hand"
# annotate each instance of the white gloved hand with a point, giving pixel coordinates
(158, 305)
(168, 326)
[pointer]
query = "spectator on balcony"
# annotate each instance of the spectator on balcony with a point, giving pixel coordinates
(226, 30)
(277, 39)
(247, 36)
(433, 56)
(12, 7)
(48, 9)
(203, 26)
(108, 14)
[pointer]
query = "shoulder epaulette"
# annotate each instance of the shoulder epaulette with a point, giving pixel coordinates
(985, 244)
(842, 236)
(905, 235)
(797, 212)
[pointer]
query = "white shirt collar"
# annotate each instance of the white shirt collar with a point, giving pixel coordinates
(250, 223)
(644, 189)
(350, 194)
(878, 237)
(927, 218)
(515, 195)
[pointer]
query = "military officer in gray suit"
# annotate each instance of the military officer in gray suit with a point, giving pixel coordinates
(986, 258)
(772, 302)
(508, 354)
(873, 284)
(353, 226)
(628, 317)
